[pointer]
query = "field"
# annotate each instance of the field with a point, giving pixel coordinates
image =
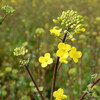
(49, 49)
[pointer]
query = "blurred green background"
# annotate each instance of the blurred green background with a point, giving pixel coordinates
(32, 16)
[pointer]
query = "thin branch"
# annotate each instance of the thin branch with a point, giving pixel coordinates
(3, 19)
(34, 82)
(55, 71)
(91, 87)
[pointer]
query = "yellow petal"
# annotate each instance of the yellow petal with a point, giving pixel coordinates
(61, 45)
(75, 60)
(72, 52)
(50, 61)
(58, 98)
(60, 91)
(64, 96)
(78, 54)
(55, 94)
(65, 55)
(41, 59)
(47, 56)
(60, 53)
(68, 47)
(44, 65)
(73, 49)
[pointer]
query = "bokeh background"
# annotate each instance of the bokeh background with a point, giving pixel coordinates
(30, 26)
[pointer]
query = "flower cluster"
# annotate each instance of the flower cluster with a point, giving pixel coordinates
(59, 94)
(65, 50)
(92, 91)
(24, 62)
(8, 9)
(40, 31)
(18, 51)
(70, 19)
(45, 60)
(69, 22)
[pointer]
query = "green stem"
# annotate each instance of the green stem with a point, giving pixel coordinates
(3, 19)
(91, 87)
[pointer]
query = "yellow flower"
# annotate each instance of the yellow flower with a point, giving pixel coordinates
(56, 31)
(59, 94)
(62, 52)
(45, 60)
(75, 54)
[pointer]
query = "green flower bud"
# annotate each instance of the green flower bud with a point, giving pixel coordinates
(8, 9)
(20, 51)
(65, 31)
(55, 21)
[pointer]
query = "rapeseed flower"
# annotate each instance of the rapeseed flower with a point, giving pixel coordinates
(45, 60)
(59, 94)
(62, 52)
(56, 31)
(75, 54)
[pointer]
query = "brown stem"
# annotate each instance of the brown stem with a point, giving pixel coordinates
(34, 82)
(40, 71)
(55, 71)
(3, 19)
(91, 87)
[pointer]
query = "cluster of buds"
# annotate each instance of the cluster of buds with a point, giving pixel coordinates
(69, 22)
(20, 51)
(40, 31)
(8, 9)
(24, 62)
(69, 19)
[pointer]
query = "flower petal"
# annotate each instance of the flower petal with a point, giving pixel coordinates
(60, 53)
(50, 61)
(64, 96)
(60, 91)
(61, 45)
(41, 59)
(65, 55)
(55, 94)
(68, 47)
(75, 60)
(44, 65)
(47, 56)
(78, 54)
(72, 52)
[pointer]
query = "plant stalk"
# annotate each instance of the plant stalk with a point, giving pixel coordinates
(55, 71)
(34, 82)
(3, 19)
(91, 87)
